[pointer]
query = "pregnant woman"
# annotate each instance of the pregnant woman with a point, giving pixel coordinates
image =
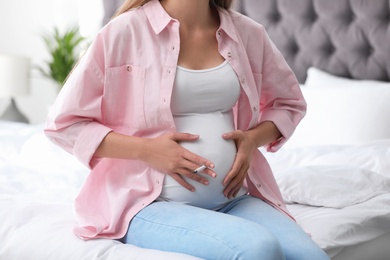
(168, 108)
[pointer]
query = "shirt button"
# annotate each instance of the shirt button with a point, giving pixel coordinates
(173, 48)
(169, 71)
(128, 68)
(229, 54)
(258, 185)
(255, 109)
(219, 32)
(279, 205)
(242, 80)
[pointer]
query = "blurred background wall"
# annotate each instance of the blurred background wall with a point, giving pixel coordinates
(22, 23)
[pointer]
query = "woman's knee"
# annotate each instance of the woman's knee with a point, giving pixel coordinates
(256, 242)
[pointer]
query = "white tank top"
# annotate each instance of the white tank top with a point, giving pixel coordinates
(202, 102)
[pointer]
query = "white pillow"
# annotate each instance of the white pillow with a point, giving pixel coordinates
(336, 186)
(342, 111)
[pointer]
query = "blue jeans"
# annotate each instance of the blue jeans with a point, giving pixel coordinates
(245, 228)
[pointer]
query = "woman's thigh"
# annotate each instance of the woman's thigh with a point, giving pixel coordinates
(200, 232)
(296, 244)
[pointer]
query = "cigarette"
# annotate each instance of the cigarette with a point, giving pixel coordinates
(199, 169)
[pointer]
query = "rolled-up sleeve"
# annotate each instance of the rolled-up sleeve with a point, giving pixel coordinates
(75, 121)
(281, 99)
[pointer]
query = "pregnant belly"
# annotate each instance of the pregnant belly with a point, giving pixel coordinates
(211, 146)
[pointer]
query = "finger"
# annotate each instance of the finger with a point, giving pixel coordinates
(182, 182)
(230, 183)
(197, 161)
(200, 169)
(234, 187)
(233, 172)
(234, 183)
(235, 192)
(237, 166)
(232, 135)
(196, 177)
(210, 172)
(230, 194)
(195, 168)
(206, 171)
(230, 188)
(229, 176)
(229, 135)
(181, 137)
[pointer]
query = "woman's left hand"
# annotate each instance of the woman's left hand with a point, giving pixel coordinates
(237, 174)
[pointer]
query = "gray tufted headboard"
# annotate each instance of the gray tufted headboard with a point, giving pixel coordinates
(349, 38)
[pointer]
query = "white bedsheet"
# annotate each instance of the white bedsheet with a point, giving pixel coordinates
(38, 183)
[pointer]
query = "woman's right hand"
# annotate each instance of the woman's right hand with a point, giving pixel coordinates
(165, 154)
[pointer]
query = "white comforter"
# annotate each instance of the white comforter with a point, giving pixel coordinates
(38, 183)
(343, 195)
(338, 194)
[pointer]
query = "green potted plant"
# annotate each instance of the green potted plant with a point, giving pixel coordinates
(64, 49)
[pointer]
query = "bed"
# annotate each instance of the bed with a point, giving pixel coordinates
(334, 173)
(340, 53)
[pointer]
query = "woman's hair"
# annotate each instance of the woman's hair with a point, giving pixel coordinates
(130, 4)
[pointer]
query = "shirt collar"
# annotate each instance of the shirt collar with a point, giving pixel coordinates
(157, 16)
(227, 24)
(159, 19)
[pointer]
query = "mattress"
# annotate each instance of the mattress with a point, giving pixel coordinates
(39, 182)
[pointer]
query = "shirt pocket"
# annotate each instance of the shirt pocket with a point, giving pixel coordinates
(123, 98)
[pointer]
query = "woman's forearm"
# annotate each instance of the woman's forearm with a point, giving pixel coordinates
(120, 146)
(265, 133)
(163, 153)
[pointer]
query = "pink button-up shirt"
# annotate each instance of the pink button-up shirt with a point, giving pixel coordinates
(124, 84)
